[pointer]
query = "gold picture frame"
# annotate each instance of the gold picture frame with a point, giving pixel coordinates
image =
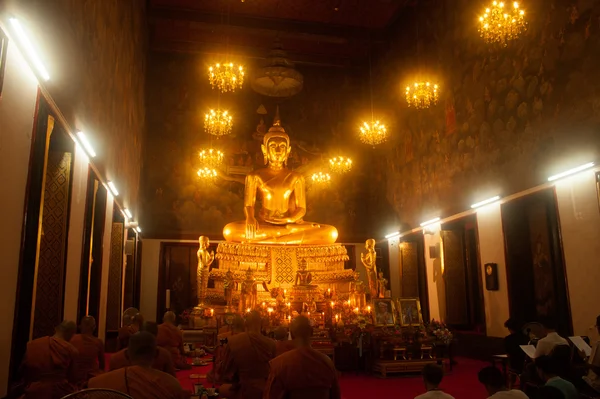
(407, 307)
(384, 311)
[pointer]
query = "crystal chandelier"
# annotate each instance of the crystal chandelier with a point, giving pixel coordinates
(211, 158)
(321, 178)
(422, 95)
(207, 174)
(340, 164)
(501, 23)
(226, 77)
(373, 133)
(218, 123)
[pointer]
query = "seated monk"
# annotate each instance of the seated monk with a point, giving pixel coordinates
(171, 338)
(90, 362)
(162, 360)
(303, 372)
(246, 357)
(131, 327)
(140, 380)
(236, 327)
(49, 367)
(280, 219)
(282, 343)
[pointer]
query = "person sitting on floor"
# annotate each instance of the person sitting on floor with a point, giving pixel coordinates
(140, 380)
(131, 326)
(546, 345)
(171, 338)
(548, 371)
(282, 343)
(90, 361)
(512, 345)
(432, 377)
(302, 373)
(162, 360)
(495, 385)
(236, 327)
(49, 366)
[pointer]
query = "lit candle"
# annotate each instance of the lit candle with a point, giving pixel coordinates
(248, 310)
(284, 292)
(332, 304)
(348, 302)
(308, 314)
(336, 318)
(263, 304)
(356, 310)
(369, 309)
(328, 291)
(289, 318)
(168, 300)
(212, 312)
(270, 310)
(289, 304)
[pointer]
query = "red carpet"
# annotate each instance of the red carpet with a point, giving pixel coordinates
(461, 383)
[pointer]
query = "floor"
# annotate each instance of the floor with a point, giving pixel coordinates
(461, 383)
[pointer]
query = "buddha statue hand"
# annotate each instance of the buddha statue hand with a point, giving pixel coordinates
(251, 227)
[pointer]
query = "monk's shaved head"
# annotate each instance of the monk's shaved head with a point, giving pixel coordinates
(151, 327)
(138, 319)
(280, 334)
(66, 330)
(142, 348)
(237, 324)
(301, 329)
(169, 317)
(253, 321)
(87, 325)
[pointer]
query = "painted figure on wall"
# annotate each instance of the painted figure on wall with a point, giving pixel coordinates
(543, 279)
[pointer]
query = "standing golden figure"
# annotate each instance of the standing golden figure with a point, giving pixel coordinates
(280, 219)
(248, 292)
(381, 285)
(369, 261)
(205, 260)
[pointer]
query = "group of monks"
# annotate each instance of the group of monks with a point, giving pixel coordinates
(248, 365)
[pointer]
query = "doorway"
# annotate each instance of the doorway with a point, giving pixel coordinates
(413, 280)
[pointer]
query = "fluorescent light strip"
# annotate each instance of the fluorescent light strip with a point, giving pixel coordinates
(485, 202)
(571, 171)
(29, 49)
(112, 188)
(138, 229)
(394, 234)
(128, 213)
(427, 223)
(86, 144)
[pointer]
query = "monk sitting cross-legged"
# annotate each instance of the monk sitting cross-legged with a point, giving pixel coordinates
(246, 357)
(162, 360)
(282, 343)
(171, 338)
(90, 362)
(140, 380)
(236, 327)
(131, 326)
(303, 372)
(49, 367)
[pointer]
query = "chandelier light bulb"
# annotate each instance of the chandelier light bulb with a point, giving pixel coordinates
(422, 95)
(226, 77)
(211, 158)
(218, 122)
(321, 178)
(500, 24)
(340, 164)
(373, 133)
(207, 174)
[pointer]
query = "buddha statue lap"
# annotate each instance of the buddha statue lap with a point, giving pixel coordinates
(280, 219)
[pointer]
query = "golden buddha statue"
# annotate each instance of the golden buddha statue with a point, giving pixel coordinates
(280, 219)
(205, 260)
(369, 261)
(303, 276)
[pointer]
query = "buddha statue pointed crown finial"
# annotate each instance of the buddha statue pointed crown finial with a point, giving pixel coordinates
(276, 130)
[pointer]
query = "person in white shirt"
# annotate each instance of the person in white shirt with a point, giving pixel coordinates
(546, 345)
(432, 376)
(495, 385)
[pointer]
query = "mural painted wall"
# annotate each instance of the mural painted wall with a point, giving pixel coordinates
(507, 118)
(320, 121)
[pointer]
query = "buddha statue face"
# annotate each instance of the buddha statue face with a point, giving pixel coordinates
(203, 241)
(276, 150)
(370, 243)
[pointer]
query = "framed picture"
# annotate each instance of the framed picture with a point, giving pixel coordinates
(385, 311)
(491, 276)
(410, 312)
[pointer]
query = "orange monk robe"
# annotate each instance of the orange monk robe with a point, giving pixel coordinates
(140, 383)
(283, 346)
(171, 338)
(162, 362)
(125, 332)
(91, 356)
(49, 368)
(302, 373)
(246, 357)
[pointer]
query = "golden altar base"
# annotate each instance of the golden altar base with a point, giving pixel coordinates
(276, 265)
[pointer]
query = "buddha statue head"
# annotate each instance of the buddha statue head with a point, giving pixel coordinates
(276, 144)
(370, 244)
(203, 241)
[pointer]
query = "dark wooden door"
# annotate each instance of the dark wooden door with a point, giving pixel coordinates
(413, 283)
(455, 278)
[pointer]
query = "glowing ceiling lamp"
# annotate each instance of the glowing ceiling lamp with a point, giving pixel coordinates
(218, 122)
(502, 22)
(340, 164)
(422, 95)
(373, 133)
(226, 77)
(211, 158)
(321, 178)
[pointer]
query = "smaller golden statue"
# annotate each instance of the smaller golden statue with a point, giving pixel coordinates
(303, 276)
(249, 292)
(360, 292)
(381, 285)
(369, 260)
(229, 287)
(205, 260)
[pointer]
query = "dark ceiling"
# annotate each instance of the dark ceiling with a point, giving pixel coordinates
(323, 32)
